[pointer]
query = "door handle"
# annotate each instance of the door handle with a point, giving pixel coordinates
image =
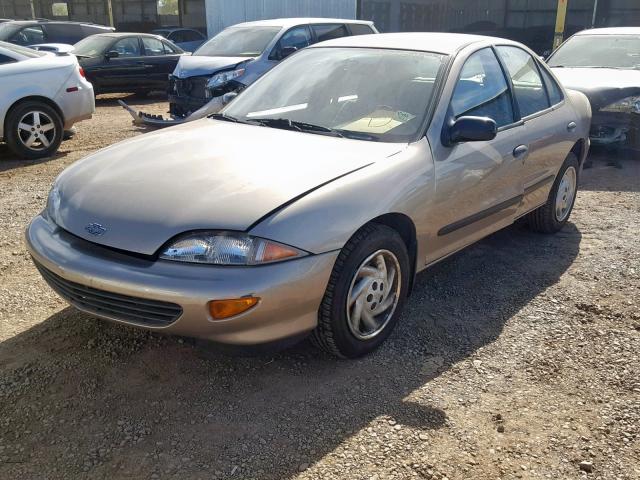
(520, 151)
(572, 126)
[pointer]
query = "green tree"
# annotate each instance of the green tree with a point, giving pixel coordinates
(168, 7)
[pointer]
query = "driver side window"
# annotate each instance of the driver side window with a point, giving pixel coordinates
(482, 90)
(297, 37)
(127, 47)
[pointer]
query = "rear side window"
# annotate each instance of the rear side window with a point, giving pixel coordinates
(328, 32)
(555, 94)
(192, 36)
(170, 49)
(482, 90)
(527, 83)
(178, 36)
(4, 59)
(64, 32)
(152, 47)
(360, 29)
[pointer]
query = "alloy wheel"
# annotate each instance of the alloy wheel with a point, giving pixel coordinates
(36, 130)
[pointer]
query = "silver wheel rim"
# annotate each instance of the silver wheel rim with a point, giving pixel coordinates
(565, 194)
(36, 130)
(373, 295)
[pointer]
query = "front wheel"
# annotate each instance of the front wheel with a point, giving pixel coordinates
(553, 215)
(366, 293)
(34, 130)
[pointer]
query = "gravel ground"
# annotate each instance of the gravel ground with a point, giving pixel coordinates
(517, 358)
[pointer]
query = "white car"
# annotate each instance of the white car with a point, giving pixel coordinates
(42, 95)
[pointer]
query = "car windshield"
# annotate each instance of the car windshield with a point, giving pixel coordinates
(361, 93)
(604, 51)
(24, 51)
(162, 33)
(92, 46)
(238, 42)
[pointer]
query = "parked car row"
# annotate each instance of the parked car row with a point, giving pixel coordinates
(310, 202)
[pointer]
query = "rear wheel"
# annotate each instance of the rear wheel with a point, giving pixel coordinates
(34, 130)
(553, 215)
(366, 293)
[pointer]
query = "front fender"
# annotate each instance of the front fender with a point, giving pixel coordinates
(326, 218)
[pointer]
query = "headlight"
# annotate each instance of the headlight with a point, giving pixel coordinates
(228, 248)
(626, 105)
(53, 205)
(223, 78)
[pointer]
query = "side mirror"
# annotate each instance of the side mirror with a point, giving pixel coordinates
(228, 97)
(111, 54)
(286, 51)
(472, 129)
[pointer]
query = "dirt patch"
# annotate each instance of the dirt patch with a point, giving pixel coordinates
(517, 358)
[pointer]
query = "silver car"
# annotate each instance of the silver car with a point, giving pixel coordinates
(310, 203)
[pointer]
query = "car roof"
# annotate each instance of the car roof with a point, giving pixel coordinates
(127, 34)
(291, 22)
(611, 31)
(173, 29)
(58, 22)
(445, 43)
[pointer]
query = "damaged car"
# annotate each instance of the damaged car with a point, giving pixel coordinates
(239, 55)
(604, 64)
(308, 205)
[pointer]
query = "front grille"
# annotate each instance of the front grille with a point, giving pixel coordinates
(140, 311)
(195, 87)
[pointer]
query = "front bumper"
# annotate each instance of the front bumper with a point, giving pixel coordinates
(290, 292)
(187, 95)
(615, 129)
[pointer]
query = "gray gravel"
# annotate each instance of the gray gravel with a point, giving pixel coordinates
(517, 358)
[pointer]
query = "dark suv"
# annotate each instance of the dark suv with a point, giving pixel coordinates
(33, 32)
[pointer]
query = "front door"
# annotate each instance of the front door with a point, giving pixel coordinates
(124, 73)
(478, 184)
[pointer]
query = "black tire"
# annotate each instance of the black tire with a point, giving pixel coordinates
(544, 219)
(333, 333)
(13, 135)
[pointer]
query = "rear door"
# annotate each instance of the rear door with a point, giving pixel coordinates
(478, 184)
(160, 60)
(547, 126)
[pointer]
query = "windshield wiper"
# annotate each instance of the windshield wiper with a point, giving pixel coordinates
(226, 118)
(287, 124)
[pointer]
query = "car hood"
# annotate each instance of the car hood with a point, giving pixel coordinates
(197, 65)
(207, 174)
(602, 86)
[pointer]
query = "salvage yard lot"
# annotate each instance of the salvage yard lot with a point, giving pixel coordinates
(516, 358)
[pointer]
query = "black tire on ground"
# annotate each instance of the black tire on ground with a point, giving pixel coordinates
(333, 333)
(544, 219)
(12, 135)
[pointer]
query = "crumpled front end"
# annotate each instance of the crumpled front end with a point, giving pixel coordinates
(187, 95)
(616, 129)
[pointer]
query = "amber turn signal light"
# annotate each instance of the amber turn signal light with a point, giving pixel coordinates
(221, 309)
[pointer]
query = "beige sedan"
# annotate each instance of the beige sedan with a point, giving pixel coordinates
(310, 203)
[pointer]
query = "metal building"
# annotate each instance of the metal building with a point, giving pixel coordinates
(529, 21)
(223, 13)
